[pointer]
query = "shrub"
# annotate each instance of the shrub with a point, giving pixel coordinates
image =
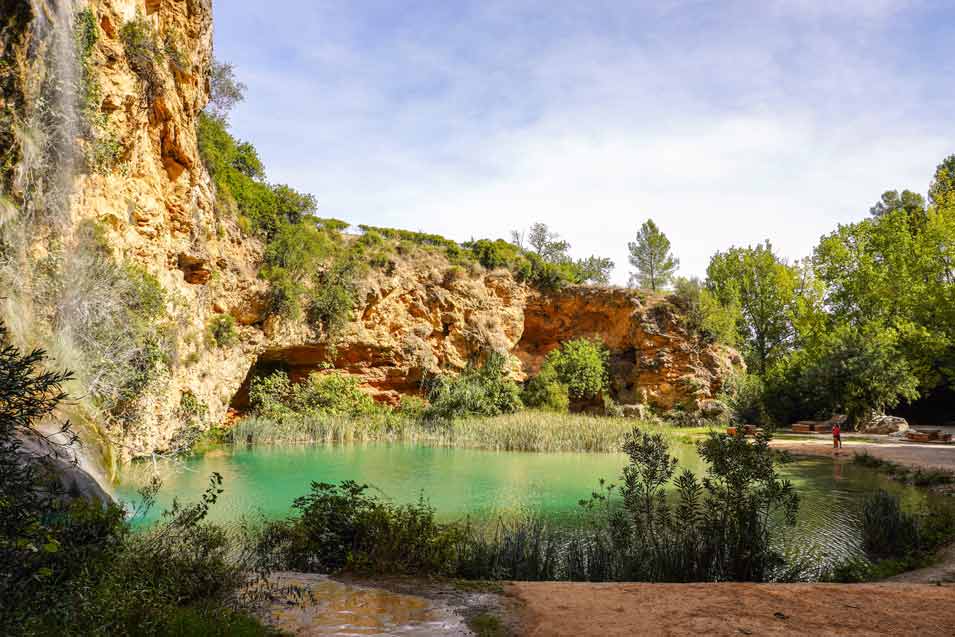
(69, 565)
(412, 407)
(545, 391)
(145, 53)
(478, 391)
(334, 294)
(111, 316)
(334, 394)
(221, 330)
(746, 395)
(581, 365)
(342, 528)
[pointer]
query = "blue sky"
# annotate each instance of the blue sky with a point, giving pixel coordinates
(726, 122)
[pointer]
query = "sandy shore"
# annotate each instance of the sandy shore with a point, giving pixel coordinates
(907, 454)
(608, 610)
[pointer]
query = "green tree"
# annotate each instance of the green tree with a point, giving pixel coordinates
(650, 255)
(911, 202)
(888, 272)
(225, 91)
(941, 192)
(702, 313)
(548, 245)
(594, 270)
(858, 371)
(763, 287)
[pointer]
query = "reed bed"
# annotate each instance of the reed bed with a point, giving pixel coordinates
(523, 431)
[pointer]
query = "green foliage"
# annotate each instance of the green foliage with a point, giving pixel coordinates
(145, 54)
(856, 371)
(650, 256)
(221, 330)
(746, 396)
(542, 258)
(110, 313)
(292, 257)
(342, 528)
(336, 394)
(898, 275)
(717, 529)
(580, 365)
(911, 203)
(941, 192)
(225, 91)
(499, 254)
(478, 391)
(411, 407)
(334, 294)
(703, 314)
(239, 178)
(763, 288)
(546, 391)
(594, 270)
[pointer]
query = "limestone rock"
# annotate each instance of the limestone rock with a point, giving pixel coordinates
(883, 424)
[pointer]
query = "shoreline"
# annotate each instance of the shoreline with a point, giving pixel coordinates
(910, 455)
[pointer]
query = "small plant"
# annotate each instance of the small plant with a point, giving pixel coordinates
(222, 331)
(145, 53)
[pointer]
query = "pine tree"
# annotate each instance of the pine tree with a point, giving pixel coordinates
(650, 255)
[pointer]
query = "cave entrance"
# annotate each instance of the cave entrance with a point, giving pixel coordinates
(296, 362)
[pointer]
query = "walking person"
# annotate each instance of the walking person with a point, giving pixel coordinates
(836, 437)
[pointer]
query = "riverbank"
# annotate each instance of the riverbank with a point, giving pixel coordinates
(911, 455)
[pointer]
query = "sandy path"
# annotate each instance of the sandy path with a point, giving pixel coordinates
(608, 610)
(908, 454)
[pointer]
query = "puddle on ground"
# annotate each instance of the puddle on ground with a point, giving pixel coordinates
(317, 605)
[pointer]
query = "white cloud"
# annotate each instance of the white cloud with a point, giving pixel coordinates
(727, 124)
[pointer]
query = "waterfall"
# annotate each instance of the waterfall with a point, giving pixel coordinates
(49, 138)
(49, 134)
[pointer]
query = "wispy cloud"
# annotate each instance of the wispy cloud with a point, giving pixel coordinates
(727, 122)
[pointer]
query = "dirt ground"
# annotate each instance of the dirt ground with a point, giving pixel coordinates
(553, 609)
(908, 454)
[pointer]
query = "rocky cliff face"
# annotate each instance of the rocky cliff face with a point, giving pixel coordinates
(156, 208)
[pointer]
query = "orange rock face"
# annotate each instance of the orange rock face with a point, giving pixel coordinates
(415, 323)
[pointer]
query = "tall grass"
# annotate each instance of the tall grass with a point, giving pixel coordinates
(521, 431)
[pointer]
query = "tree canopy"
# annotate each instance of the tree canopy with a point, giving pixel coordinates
(650, 256)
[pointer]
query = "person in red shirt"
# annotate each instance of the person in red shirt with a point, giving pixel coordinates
(836, 437)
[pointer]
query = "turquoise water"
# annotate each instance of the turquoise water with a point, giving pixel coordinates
(484, 485)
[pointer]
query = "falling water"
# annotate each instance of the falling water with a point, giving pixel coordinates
(49, 136)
